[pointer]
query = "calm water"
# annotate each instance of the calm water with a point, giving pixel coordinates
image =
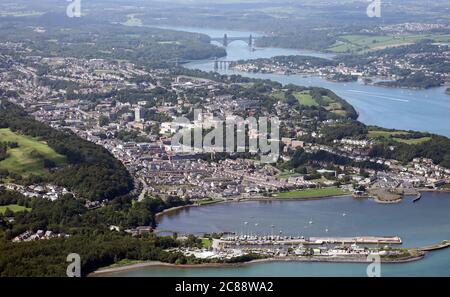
(418, 224)
(421, 110)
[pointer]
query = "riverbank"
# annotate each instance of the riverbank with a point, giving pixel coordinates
(178, 208)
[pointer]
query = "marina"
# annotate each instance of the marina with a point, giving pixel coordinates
(290, 240)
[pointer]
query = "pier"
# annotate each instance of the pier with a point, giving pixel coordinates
(287, 240)
(439, 246)
(359, 239)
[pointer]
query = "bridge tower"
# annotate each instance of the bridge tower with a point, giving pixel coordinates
(216, 64)
(225, 40)
(250, 41)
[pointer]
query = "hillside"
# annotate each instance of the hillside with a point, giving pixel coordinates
(89, 170)
(30, 156)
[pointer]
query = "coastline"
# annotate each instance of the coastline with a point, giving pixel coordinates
(326, 259)
(375, 84)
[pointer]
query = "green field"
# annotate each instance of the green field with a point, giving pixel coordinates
(28, 158)
(206, 243)
(13, 208)
(310, 193)
(374, 134)
(304, 98)
(413, 140)
(279, 95)
(385, 134)
(361, 43)
(208, 201)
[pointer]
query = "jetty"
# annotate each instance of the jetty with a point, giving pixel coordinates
(439, 246)
(418, 197)
(288, 240)
(359, 239)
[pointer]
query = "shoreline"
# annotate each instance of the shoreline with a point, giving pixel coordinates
(326, 259)
(274, 199)
(376, 84)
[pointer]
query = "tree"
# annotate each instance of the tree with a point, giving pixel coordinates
(103, 121)
(8, 213)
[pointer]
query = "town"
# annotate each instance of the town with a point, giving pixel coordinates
(138, 132)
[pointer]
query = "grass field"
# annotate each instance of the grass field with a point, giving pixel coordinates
(373, 134)
(208, 202)
(279, 95)
(13, 208)
(206, 243)
(385, 134)
(361, 43)
(310, 193)
(304, 98)
(413, 140)
(28, 158)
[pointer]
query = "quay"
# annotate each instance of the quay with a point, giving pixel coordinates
(287, 240)
(359, 239)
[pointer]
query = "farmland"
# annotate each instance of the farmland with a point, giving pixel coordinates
(363, 43)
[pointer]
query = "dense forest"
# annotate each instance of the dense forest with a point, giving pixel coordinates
(88, 232)
(88, 235)
(92, 173)
(68, 214)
